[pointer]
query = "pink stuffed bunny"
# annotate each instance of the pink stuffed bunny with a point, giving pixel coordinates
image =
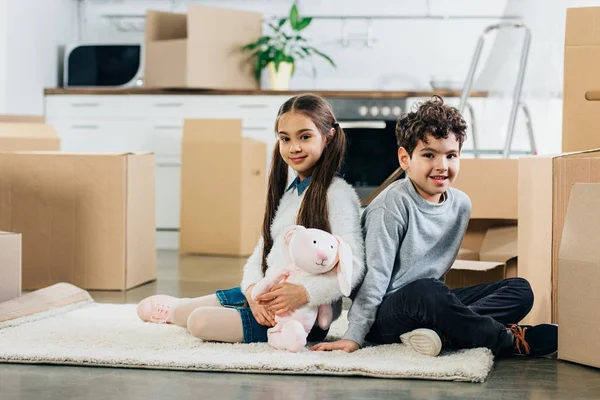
(308, 252)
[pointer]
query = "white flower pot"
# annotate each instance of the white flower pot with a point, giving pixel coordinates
(280, 80)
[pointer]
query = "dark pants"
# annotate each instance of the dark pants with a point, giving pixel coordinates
(470, 317)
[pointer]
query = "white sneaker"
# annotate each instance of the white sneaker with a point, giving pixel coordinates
(424, 341)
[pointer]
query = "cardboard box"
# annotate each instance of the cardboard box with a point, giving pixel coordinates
(544, 188)
(492, 186)
(579, 278)
(223, 188)
(86, 219)
(581, 92)
(201, 49)
(489, 249)
(488, 253)
(24, 133)
(10, 266)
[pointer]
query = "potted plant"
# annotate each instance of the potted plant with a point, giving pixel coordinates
(280, 51)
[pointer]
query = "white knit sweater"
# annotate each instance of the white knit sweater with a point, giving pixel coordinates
(344, 217)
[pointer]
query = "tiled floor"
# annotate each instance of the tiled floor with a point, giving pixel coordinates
(516, 378)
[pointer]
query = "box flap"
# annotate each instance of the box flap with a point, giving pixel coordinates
(580, 241)
(583, 26)
(165, 26)
(212, 130)
(467, 254)
(476, 265)
(500, 244)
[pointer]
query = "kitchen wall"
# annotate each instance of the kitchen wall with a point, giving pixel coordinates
(31, 32)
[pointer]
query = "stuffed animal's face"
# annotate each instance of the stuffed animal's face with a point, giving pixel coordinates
(313, 250)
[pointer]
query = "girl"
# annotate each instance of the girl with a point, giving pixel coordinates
(311, 142)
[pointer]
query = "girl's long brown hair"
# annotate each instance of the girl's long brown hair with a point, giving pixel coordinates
(314, 208)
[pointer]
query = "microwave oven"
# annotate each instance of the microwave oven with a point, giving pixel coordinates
(102, 65)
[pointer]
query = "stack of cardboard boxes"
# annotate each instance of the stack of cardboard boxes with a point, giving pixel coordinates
(574, 261)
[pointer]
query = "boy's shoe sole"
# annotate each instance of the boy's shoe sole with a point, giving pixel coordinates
(423, 341)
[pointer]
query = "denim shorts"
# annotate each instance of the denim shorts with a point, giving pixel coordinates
(253, 331)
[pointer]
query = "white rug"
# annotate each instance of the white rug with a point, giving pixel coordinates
(111, 335)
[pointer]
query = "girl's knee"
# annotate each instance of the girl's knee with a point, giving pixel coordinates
(198, 323)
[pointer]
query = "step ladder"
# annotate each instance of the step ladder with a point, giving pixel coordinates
(516, 104)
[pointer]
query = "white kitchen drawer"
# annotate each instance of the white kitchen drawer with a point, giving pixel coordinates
(124, 107)
(168, 187)
(93, 106)
(102, 136)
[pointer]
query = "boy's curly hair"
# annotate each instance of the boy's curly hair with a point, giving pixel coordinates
(431, 116)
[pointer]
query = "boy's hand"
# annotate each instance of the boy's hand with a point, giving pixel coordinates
(263, 316)
(283, 298)
(346, 345)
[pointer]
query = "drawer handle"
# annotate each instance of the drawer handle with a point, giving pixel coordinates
(172, 127)
(85, 104)
(252, 106)
(84, 126)
(168, 163)
(168, 104)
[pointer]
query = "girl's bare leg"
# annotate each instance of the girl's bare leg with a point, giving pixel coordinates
(216, 324)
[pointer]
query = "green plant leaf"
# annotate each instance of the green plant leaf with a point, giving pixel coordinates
(294, 17)
(275, 28)
(324, 56)
(304, 23)
(282, 21)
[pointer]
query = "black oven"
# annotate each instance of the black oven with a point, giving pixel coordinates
(372, 153)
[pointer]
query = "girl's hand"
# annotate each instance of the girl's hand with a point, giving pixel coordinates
(263, 316)
(283, 298)
(344, 344)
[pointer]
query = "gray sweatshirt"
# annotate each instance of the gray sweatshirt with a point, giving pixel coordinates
(406, 238)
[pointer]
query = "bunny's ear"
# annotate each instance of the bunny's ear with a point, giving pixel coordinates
(288, 235)
(344, 272)
(286, 243)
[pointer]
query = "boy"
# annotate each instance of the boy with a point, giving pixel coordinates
(413, 231)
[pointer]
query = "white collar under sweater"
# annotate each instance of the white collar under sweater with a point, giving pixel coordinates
(344, 217)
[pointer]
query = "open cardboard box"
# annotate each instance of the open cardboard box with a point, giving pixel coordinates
(579, 278)
(489, 248)
(200, 49)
